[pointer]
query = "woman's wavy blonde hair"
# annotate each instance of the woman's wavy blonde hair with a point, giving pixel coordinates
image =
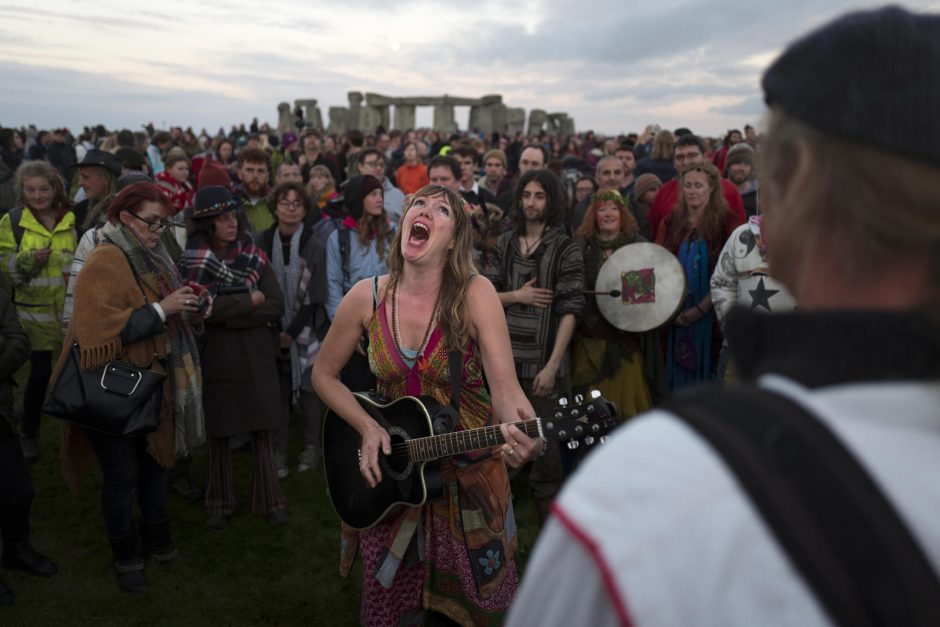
(456, 273)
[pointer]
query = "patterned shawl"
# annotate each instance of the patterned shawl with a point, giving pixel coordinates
(294, 278)
(156, 270)
(241, 263)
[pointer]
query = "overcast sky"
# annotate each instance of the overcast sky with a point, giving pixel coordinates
(613, 65)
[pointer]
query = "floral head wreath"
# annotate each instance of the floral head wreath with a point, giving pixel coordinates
(608, 194)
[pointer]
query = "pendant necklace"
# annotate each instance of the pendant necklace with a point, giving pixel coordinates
(396, 335)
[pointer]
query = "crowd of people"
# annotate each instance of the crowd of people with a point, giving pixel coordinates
(273, 273)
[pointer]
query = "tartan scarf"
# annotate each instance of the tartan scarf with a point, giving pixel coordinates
(156, 270)
(241, 263)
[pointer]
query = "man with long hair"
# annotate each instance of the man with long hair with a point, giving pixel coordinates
(538, 273)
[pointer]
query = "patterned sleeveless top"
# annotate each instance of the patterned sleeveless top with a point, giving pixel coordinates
(430, 374)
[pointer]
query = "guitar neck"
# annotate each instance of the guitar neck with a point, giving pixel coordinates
(459, 442)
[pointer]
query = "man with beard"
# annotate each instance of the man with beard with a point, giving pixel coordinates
(538, 273)
(253, 190)
(739, 168)
(531, 158)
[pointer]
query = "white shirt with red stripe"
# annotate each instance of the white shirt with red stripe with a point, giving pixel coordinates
(654, 530)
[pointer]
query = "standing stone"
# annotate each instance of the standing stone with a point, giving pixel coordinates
(369, 119)
(537, 119)
(444, 121)
(354, 116)
(338, 117)
(311, 112)
(404, 117)
(515, 120)
(285, 121)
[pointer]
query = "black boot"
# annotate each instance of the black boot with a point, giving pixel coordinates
(27, 559)
(128, 564)
(6, 595)
(155, 541)
(18, 553)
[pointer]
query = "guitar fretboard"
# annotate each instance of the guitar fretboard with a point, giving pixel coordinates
(458, 442)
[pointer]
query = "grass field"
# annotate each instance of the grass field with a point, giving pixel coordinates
(249, 574)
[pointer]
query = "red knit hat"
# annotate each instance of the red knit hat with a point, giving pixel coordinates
(213, 173)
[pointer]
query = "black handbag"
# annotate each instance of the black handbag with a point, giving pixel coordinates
(117, 399)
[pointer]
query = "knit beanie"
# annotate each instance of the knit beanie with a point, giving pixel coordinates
(645, 183)
(213, 173)
(871, 76)
(740, 153)
(129, 178)
(356, 190)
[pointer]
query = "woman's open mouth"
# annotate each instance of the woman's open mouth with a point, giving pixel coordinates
(419, 234)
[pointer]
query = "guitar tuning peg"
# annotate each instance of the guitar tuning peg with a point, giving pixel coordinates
(603, 439)
(578, 399)
(573, 444)
(595, 394)
(578, 430)
(563, 401)
(589, 440)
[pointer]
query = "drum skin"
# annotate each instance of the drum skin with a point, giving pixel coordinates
(651, 283)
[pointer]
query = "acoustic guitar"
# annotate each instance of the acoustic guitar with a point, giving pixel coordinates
(410, 475)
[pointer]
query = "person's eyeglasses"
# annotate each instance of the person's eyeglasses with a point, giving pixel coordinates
(373, 164)
(154, 226)
(290, 204)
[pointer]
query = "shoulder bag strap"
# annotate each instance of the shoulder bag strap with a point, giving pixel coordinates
(836, 525)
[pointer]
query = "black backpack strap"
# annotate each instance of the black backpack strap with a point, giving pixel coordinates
(344, 252)
(16, 215)
(838, 528)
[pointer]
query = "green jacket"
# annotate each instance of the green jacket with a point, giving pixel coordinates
(38, 290)
(260, 218)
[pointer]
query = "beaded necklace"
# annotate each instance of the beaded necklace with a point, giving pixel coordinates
(395, 331)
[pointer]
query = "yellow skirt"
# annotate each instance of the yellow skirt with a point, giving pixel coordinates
(627, 389)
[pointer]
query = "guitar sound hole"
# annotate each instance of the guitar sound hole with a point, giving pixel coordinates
(398, 465)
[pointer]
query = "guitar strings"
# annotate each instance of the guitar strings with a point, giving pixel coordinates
(402, 450)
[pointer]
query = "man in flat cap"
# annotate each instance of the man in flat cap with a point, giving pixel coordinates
(807, 494)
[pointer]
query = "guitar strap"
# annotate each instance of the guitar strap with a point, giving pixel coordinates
(828, 514)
